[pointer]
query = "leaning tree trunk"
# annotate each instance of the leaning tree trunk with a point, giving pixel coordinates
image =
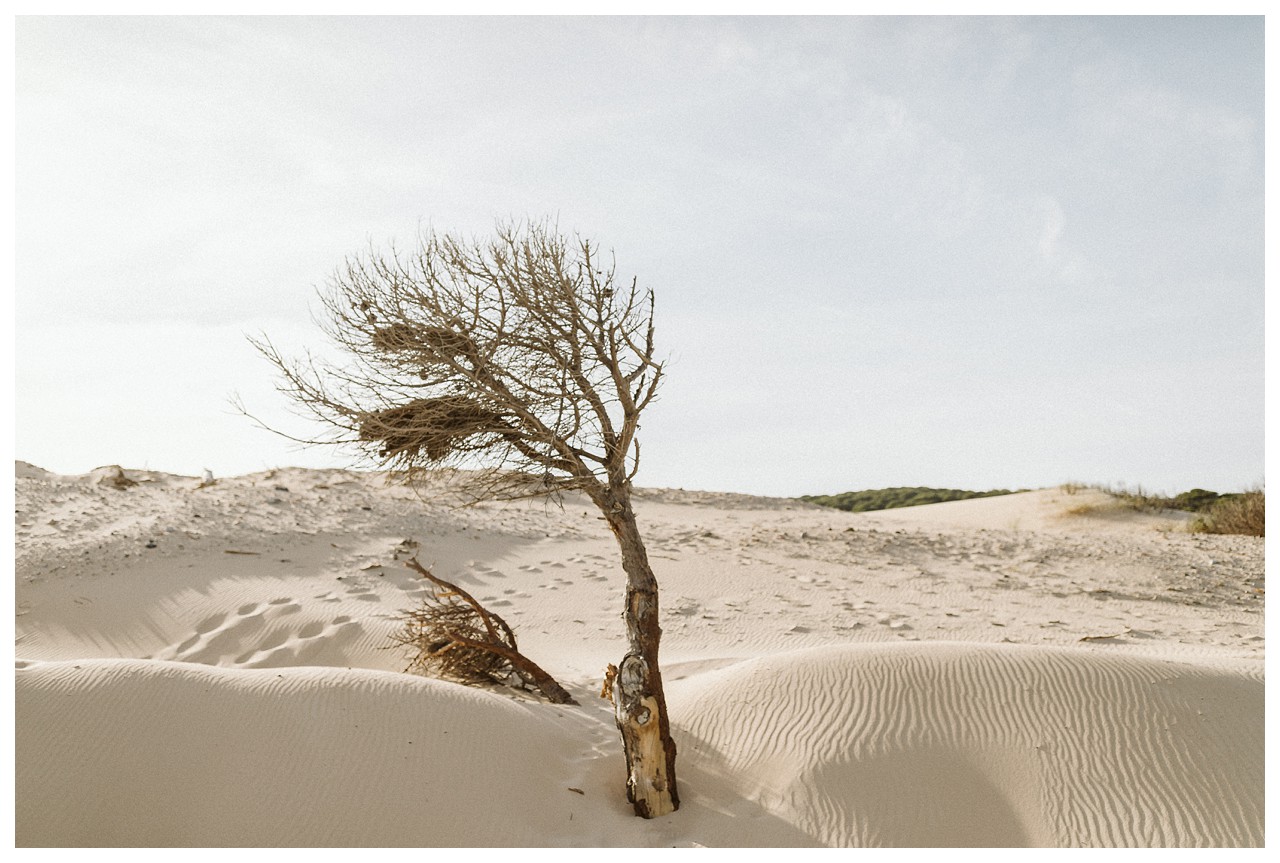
(640, 708)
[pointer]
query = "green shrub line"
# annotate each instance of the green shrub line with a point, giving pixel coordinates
(895, 498)
(1241, 513)
(1196, 500)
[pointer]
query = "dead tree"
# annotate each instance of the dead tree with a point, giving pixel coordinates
(524, 361)
(451, 635)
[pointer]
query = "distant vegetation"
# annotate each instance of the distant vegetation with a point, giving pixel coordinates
(894, 498)
(1236, 513)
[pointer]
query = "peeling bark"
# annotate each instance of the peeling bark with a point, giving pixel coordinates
(640, 708)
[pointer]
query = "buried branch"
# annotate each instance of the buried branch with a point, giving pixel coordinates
(453, 636)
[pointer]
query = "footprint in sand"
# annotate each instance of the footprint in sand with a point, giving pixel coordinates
(485, 569)
(219, 644)
(271, 642)
(209, 624)
(364, 593)
(315, 643)
(220, 637)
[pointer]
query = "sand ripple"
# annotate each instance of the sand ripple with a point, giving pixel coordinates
(951, 745)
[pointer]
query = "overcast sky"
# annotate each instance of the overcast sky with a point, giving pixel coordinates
(960, 252)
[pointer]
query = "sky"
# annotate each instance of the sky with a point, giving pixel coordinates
(958, 252)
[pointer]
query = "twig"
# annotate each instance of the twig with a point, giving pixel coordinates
(501, 645)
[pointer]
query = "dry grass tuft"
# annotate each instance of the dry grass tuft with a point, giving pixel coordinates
(1089, 509)
(1245, 514)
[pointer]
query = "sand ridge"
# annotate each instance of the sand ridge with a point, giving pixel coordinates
(831, 675)
(962, 745)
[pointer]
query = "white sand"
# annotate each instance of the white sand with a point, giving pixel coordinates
(904, 678)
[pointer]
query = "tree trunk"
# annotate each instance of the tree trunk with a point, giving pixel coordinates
(640, 709)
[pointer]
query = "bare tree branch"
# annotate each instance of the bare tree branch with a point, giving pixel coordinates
(446, 641)
(524, 363)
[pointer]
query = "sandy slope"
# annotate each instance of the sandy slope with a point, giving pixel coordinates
(964, 745)
(208, 665)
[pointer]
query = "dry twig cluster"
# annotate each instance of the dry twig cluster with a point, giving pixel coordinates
(523, 360)
(453, 637)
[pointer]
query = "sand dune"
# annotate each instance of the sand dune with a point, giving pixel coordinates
(207, 665)
(958, 745)
(198, 755)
